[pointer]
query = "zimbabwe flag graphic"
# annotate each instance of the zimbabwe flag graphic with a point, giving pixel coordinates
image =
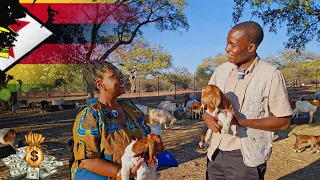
(66, 36)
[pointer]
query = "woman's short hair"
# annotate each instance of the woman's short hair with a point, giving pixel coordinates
(94, 70)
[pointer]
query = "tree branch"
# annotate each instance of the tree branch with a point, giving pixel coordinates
(116, 45)
(309, 27)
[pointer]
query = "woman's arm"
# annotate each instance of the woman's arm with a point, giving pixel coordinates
(105, 168)
(99, 166)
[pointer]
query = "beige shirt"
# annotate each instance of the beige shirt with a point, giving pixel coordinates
(235, 90)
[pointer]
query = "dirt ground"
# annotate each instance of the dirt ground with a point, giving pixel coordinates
(181, 141)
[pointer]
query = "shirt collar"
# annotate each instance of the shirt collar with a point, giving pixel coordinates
(252, 66)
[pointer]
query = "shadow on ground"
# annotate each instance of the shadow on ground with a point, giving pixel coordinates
(311, 172)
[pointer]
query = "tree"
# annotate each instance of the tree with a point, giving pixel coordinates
(96, 42)
(141, 58)
(128, 17)
(45, 76)
(297, 67)
(180, 76)
(301, 17)
(207, 67)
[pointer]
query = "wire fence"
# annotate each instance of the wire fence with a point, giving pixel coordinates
(143, 86)
(151, 86)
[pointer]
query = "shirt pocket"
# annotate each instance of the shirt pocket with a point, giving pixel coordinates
(262, 148)
(255, 106)
(257, 150)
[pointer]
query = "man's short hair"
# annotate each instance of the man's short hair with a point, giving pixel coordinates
(252, 29)
(94, 71)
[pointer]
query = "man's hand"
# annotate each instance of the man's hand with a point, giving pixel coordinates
(133, 171)
(136, 167)
(212, 122)
(235, 116)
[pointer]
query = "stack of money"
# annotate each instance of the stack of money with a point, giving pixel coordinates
(6, 161)
(33, 173)
(21, 152)
(19, 167)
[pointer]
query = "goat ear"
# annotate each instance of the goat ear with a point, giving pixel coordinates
(216, 97)
(151, 144)
(225, 102)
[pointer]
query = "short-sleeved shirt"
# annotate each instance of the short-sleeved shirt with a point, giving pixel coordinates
(235, 89)
(97, 135)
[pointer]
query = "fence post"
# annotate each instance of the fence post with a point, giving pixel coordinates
(317, 79)
(27, 92)
(194, 83)
(175, 89)
(64, 91)
(139, 87)
(158, 87)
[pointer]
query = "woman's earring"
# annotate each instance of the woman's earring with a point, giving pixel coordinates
(104, 88)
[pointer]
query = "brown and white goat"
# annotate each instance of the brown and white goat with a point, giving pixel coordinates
(312, 140)
(7, 136)
(151, 145)
(216, 103)
(305, 107)
(196, 109)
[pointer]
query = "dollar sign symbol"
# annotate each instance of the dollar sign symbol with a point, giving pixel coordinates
(34, 156)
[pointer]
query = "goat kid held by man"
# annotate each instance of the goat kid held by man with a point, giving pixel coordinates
(216, 103)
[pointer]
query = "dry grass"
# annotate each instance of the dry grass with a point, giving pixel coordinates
(182, 142)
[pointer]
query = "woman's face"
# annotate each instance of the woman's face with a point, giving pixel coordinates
(112, 82)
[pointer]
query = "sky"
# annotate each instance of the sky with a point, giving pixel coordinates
(210, 22)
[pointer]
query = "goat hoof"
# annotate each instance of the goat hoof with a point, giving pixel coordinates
(200, 145)
(294, 150)
(299, 151)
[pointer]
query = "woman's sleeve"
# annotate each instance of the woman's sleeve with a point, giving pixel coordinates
(86, 135)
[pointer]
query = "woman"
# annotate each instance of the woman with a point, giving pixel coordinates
(102, 130)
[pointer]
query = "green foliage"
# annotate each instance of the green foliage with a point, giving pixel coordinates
(300, 17)
(207, 67)
(141, 58)
(296, 66)
(5, 94)
(179, 76)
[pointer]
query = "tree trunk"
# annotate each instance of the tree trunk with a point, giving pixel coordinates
(132, 79)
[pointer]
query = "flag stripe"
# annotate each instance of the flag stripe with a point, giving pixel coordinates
(66, 1)
(74, 13)
(38, 73)
(75, 33)
(60, 54)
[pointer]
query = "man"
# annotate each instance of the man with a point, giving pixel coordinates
(259, 97)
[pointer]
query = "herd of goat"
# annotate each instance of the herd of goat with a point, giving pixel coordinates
(167, 112)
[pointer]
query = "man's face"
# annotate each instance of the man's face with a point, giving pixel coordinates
(238, 47)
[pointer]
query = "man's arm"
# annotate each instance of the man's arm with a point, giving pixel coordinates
(271, 123)
(279, 106)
